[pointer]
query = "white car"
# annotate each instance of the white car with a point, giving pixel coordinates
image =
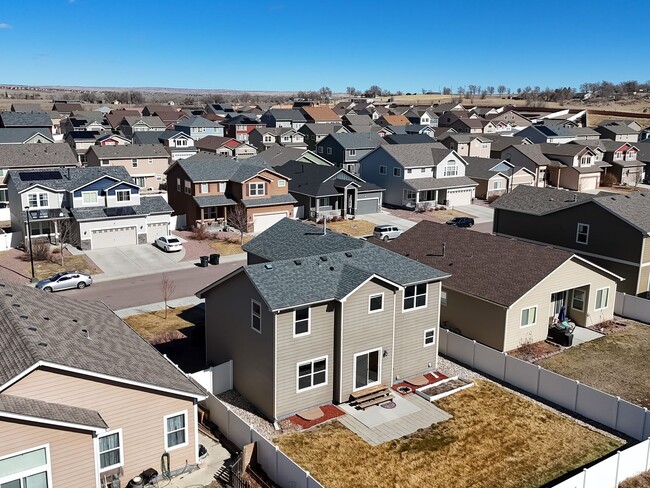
(386, 232)
(169, 243)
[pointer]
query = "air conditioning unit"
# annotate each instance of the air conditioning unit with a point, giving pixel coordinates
(150, 188)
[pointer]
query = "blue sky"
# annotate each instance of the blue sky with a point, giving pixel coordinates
(302, 45)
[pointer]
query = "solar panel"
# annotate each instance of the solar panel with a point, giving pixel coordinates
(119, 211)
(40, 175)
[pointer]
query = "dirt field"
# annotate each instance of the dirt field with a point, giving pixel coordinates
(641, 481)
(354, 228)
(495, 438)
(616, 363)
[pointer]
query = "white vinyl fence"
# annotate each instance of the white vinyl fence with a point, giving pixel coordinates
(9, 240)
(632, 307)
(277, 465)
(608, 410)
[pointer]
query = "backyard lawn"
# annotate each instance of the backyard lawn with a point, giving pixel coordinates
(45, 269)
(354, 228)
(228, 246)
(495, 438)
(616, 363)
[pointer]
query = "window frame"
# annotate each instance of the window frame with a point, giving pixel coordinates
(87, 193)
(397, 172)
(443, 298)
(415, 296)
(120, 448)
(282, 183)
(521, 317)
(204, 188)
(496, 185)
(47, 467)
(185, 428)
(179, 185)
(383, 170)
(255, 193)
(122, 192)
(134, 162)
(254, 315)
(433, 338)
(312, 386)
(296, 320)
(585, 233)
(447, 170)
(187, 187)
(375, 295)
(596, 308)
(221, 188)
(573, 299)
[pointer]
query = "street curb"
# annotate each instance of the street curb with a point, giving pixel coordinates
(154, 307)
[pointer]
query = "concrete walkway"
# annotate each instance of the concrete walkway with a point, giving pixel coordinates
(154, 307)
(582, 335)
(385, 218)
(217, 455)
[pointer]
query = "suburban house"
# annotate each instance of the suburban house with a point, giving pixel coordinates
(512, 117)
(206, 189)
(314, 133)
(461, 121)
(472, 145)
(386, 120)
(270, 136)
(279, 155)
(320, 115)
(609, 230)
(97, 207)
(505, 293)
(20, 135)
(216, 145)
(573, 166)
(80, 141)
(84, 401)
(136, 123)
(496, 176)
(284, 117)
(178, 144)
(27, 120)
(345, 150)
(627, 169)
(501, 142)
(146, 163)
(76, 124)
(198, 127)
(531, 157)
(112, 140)
(329, 191)
(417, 175)
(619, 132)
(116, 117)
(240, 126)
(551, 134)
(66, 108)
(310, 327)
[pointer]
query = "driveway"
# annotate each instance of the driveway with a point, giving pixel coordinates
(385, 218)
(481, 212)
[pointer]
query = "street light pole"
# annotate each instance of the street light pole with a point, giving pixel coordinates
(31, 254)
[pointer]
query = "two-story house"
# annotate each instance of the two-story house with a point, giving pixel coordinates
(27, 120)
(549, 134)
(198, 127)
(178, 144)
(627, 169)
(416, 175)
(321, 114)
(496, 176)
(146, 163)
(511, 117)
(529, 156)
(207, 188)
(609, 230)
(80, 141)
(472, 145)
(282, 136)
(314, 133)
(306, 327)
(573, 166)
(240, 126)
(345, 150)
(135, 123)
(102, 205)
(619, 132)
(284, 117)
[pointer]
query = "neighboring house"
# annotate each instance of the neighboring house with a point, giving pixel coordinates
(27, 120)
(146, 163)
(198, 127)
(632, 124)
(468, 144)
(500, 142)
(407, 139)
(496, 176)
(627, 169)
(314, 327)
(505, 293)
(240, 126)
(279, 155)
(329, 191)
(619, 132)
(573, 166)
(178, 144)
(320, 115)
(529, 156)
(103, 206)
(609, 230)
(131, 124)
(419, 174)
(66, 108)
(80, 142)
(112, 140)
(386, 120)
(314, 133)
(345, 150)
(21, 135)
(116, 117)
(73, 124)
(512, 117)
(353, 120)
(546, 134)
(216, 145)
(171, 117)
(284, 117)
(76, 409)
(282, 136)
(206, 189)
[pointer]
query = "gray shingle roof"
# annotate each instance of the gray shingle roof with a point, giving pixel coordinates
(66, 179)
(320, 129)
(409, 155)
(272, 200)
(35, 155)
(633, 207)
(151, 121)
(291, 114)
(533, 152)
(50, 411)
(147, 136)
(440, 183)
(148, 205)
(206, 167)
(197, 121)
(364, 140)
(18, 135)
(316, 179)
(482, 167)
(550, 149)
(128, 151)
(37, 326)
(25, 119)
(214, 201)
(539, 201)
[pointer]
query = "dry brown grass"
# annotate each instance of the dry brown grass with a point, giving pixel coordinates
(354, 228)
(641, 481)
(229, 246)
(154, 328)
(616, 363)
(45, 269)
(495, 438)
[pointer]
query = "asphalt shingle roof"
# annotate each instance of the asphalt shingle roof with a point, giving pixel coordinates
(66, 179)
(50, 411)
(148, 205)
(18, 135)
(539, 201)
(482, 167)
(409, 155)
(205, 167)
(35, 155)
(197, 121)
(37, 326)
(291, 114)
(25, 119)
(364, 140)
(317, 180)
(272, 200)
(440, 183)
(214, 201)
(633, 207)
(128, 151)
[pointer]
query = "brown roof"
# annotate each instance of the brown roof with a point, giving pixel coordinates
(211, 143)
(396, 120)
(320, 113)
(493, 268)
(116, 116)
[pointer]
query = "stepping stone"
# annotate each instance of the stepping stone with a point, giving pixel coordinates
(417, 381)
(311, 414)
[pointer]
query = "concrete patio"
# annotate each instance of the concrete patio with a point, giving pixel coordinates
(377, 425)
(582, 335)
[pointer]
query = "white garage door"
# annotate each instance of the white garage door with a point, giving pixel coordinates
(370, 205)
(154, 231)
(459, 197)
(263, 222)
(588, 183)
(121, 236)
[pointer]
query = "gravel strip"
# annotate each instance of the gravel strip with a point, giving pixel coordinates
(247, 411)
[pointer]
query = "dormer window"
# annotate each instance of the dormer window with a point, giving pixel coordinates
(38, 200)
(451, 169)
(630, 155)
(123, 195)
(585, 160)
(618, 155)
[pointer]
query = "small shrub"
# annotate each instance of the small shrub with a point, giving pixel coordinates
(199, 233)
(40, 250)
(609, 180)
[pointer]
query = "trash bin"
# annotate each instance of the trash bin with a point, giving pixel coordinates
(568, 339)
(214, 258)
(204, 262)
(136, 482)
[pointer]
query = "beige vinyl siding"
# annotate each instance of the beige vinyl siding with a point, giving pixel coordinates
(644, 277)
(294, 350)
(362, 332)
(71, 452)
(137, 412)
(569, 275)
(228, 314)
(522, 178)
(475, 318)
(645, 253)
(628, 272)
(411, 357)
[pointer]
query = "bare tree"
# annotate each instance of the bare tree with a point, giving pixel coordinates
(68, 234)
(167, 288)
(446, 90)
(490, 90)
(238, 218)
(501, 89)
(350, 90)
(325, 93)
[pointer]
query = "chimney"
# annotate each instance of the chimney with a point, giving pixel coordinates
(87, 332)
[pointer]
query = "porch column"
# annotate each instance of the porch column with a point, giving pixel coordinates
(436, 197)
(202, 217)
(56, 232)
(557, 183)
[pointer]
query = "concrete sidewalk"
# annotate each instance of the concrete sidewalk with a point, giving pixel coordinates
(154, 307)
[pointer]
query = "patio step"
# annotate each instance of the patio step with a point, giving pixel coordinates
(376, 401)
(367, 391)
(370, 396)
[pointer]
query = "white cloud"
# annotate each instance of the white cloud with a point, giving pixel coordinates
(5, 26)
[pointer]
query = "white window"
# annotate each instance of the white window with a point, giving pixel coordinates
(301, 322)
(578, 302)
(268, 139)
(320, 149)
(134, 163)
(255, 189)
(496, 185)
(409, 171)
(159, 177)
(178, 184)
(529, 316)
(175, 430)
(382, 169)
(602, 297)
(282, 183)
(38, 200)
(140, 181)
(222, 186)
(4, 195)
(443, 298)
(89, 197)
(410, 194)
(352, 152)
(630, 155)
(429, 337)
(618, 155)
(26, 469)
(423, 170)
(451, 169)
(286, 138)
(397, 172)
(256, 316)
(312, 373)
(188, 187)
(123, 195)
(104, 162)
(205, 188)
(110, 450)
(582, 234)
(376, 303)
(415, 296)
(585, 161)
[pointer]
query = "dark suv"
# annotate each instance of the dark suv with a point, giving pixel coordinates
(461, 221)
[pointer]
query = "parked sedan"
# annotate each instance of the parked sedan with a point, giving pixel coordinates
(65, 281)
(169, 243)
(461, 221)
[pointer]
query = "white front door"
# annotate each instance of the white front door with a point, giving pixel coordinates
(367, 369)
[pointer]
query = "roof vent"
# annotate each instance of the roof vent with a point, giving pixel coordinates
(331, 268)
(268, 266)
(8, 294)
(42, 344)
(24, 317)
(323, 258)
(75, 320)
(16, 305)
(46, 318)
(348, 254)
(32, 328)
(297, 262)
(85, 331)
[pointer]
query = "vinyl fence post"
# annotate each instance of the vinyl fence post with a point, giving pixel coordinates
(618, 406)
(473, 352)
(539, 372)
(647, 457)
(575, 403)
(618, 466)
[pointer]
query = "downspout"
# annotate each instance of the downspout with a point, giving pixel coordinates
(392, 358)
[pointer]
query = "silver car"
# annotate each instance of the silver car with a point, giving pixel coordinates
(65, 281)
